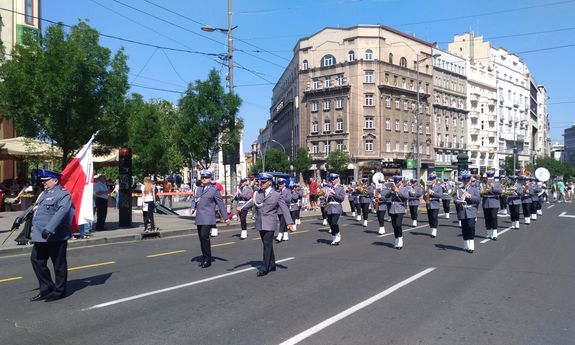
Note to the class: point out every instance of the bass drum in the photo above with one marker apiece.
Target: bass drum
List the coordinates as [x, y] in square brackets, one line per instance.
[542, 174]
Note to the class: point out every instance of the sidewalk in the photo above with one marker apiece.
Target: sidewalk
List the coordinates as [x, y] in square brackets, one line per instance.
[169, 226]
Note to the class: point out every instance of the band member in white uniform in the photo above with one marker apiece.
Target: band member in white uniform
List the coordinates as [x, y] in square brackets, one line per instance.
[468, 198]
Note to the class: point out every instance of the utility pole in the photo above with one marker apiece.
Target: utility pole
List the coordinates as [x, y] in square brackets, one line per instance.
[233, 165]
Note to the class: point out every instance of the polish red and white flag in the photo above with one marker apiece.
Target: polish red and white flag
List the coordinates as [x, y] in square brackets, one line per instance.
[78, 179]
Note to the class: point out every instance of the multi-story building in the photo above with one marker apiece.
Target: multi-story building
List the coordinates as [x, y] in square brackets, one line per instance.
[16, 18]
[569, 142]
[449, 110]
[558, 151]
[356, 91]
[543, 139]
[511, 122]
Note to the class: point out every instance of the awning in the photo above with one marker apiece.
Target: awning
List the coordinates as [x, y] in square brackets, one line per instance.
[21, 148]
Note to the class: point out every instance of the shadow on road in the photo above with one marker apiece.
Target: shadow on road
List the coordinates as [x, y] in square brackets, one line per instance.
[384, 244]
[79, 284]
[449, 247]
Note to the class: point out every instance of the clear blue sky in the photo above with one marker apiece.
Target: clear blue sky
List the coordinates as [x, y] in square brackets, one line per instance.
[268, 30]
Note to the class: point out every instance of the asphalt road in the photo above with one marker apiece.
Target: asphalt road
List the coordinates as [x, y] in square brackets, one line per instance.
[517, 290]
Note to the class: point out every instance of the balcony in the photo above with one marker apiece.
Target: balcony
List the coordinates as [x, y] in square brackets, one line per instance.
[492, 118]
[473, 114]
[474, 131]
[474, 97]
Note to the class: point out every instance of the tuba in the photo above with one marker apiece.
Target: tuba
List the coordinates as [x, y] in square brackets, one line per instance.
[486, 189]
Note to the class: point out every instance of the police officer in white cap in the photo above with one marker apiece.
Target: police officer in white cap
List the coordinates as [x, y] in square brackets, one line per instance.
[435, 191]
[285, 194]
[335, 195]
[490, 203]
[397, 197]
[205, 201]
[468, 199]
[269, 204]
[415, 192]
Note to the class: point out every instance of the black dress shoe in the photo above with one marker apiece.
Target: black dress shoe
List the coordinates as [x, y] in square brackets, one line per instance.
[261, 273]
[54, 297]
[273, 269]
[39, 296]
[205, 264]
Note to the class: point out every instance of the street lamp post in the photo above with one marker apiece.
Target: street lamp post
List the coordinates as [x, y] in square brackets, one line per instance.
[280, 144]
[515, 145]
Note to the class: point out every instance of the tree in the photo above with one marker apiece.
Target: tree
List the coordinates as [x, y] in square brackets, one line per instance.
[63, 87]
[337, 161]
[508, 165]
[302, 162]
[275, 160]
[208, 120]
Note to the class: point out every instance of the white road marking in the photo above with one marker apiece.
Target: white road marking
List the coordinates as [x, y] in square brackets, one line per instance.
[548, 207]
[498, 234]
[417, 227]
[565, 215]
[155, 292]
[324, 324]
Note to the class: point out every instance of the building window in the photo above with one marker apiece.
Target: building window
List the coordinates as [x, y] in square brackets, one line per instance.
[327, 60]
[369, 123]
[390, 60]
[314, 127]
[387, 146]
[388, 102]
[405, 126]
[314, 148]
[368, 99]
[397, 104]
[397, 125]
[368, 145]
[339, 125]
[327, 82]
[350, 56]
[397, 146]
[29, 12]
[427, 129]
[339, 146]
[327, 104]
[305, 65]
[403, 83]
[326, 126]
[413, 127]
[405, 147]
[369, 54]
[368, 79]
[388, 124]
[403, 62]
[405, 106]
[326, 147]
[339, 80]
[315, 84]
[339, 103]
[314, 106]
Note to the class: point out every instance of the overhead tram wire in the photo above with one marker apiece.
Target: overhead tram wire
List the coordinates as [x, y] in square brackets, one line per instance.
[193, 32]
[173, 68]
[203, 24]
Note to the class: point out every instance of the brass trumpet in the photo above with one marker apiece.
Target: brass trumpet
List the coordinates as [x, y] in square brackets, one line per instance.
[509, 191]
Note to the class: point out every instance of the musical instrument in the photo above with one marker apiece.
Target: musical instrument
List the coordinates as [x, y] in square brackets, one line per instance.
[377, 177]
[462, 194]
[509, 191]
[486, 189]
[376, 200]
[542, 174]
[526, 189]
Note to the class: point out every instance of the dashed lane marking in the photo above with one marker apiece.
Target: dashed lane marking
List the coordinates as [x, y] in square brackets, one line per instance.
[548, 207]
[92, 265]
[499, 234]
[324, 324]
[222, 244]
[172, 288]
[166, 253]
[10, 279]
[417, 227]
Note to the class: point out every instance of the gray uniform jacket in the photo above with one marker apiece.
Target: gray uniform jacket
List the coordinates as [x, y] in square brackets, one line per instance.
[334, 201]
[468, 208]
[285, 194]
[245, 195]
[491, 199]
[397, 200]
[207, 199]
[435, 198]
[267, 209]
[414, 197]
[54, 212]
[534, 191]
[383, 198]
[368, 196]
[525, 197]
[294, 200]
[354, 195]
[515, 199]
[445, 186]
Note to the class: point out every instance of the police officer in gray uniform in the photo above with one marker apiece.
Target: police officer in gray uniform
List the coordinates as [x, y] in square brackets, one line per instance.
[415, 192]
[269, 204]
[534, 191]
[366, 198]
[243, 195]
[468, 199]
[294, 204]
[50, 234]
[285, 193]
[514, 201]
[397, 196]
[435, 191]
[525, 192]
[207, 199]
[382, 205]
[335, 195]
[490, 203]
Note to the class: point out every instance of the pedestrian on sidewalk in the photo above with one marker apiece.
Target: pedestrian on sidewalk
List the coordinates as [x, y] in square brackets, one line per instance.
[148, 205]
[50, 235]
[205, 201]
[101, 201]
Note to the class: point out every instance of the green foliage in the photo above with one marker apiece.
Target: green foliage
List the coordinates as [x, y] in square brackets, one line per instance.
[337, 161]
[207, 120]
[508, 165]
[64, 87]
[275, 160]
[302, 161]
[555, 167]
